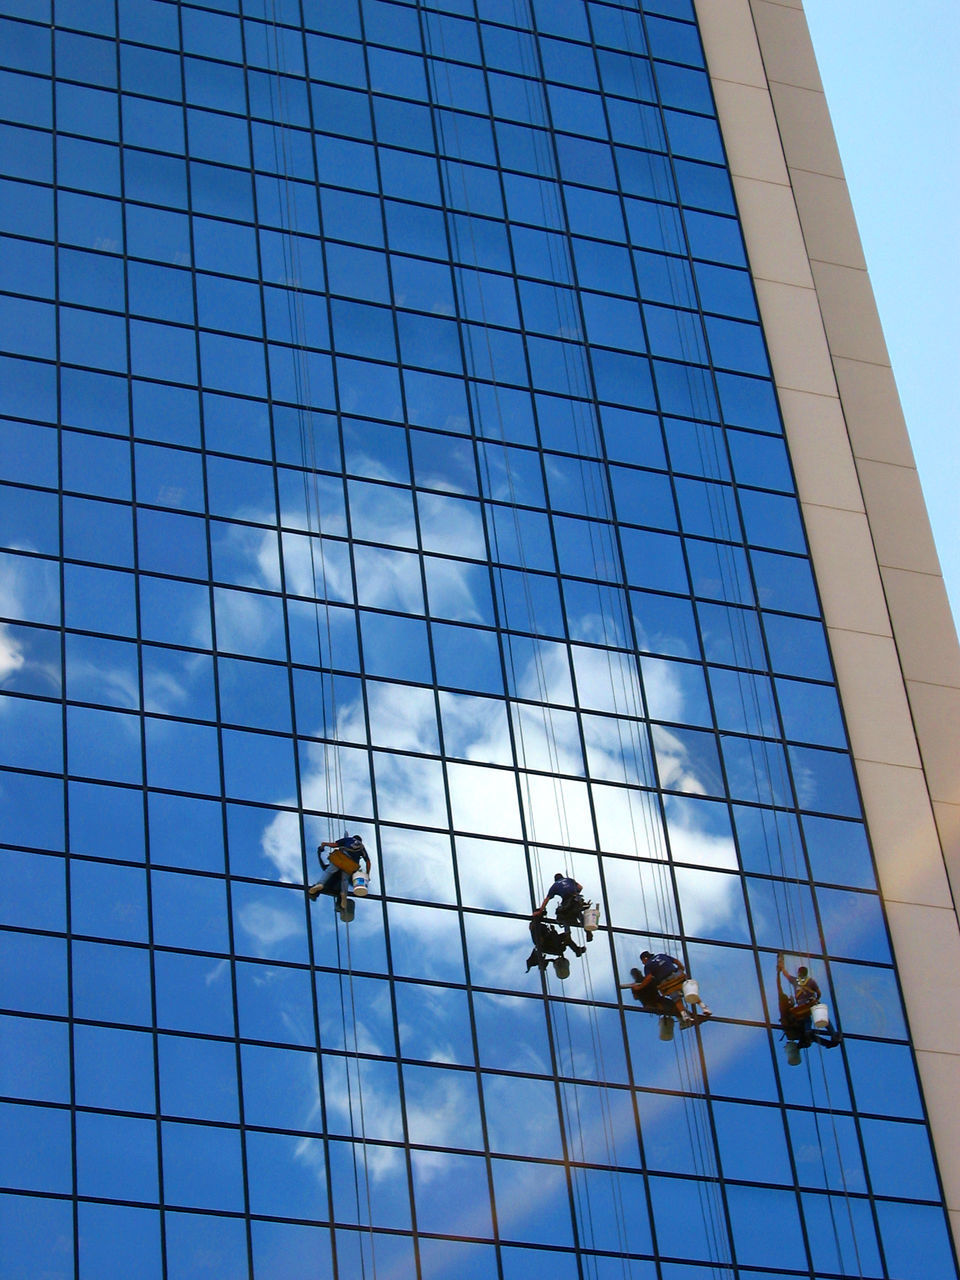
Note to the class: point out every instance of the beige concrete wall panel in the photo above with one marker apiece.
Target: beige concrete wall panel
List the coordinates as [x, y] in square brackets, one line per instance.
[750, 132]
[730, 42]
[904, 835]
[820, 450]
[826, 215]
[846, 570]
[898, 517]
[794, 332]
[774, 242]
[871, 405]
[787, 48]
[947, 817]
[920, 613]
[926, 941]
[939, 1073]
[874, 699]
[805, 128]
[936, 713]
[849, 313]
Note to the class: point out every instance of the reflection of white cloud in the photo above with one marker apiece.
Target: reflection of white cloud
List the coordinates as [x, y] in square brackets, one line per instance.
[216, 973]
[381, 513]
[484, 800]
[268, 925]
[497, 947]
[11, 654]
[673, 760]
[710, 900]
[280, 843]
[557, 810]
[448, 584]
[402, 717]
[688, 843]
[307, 557]
[607, 680]
[436, 1120]
[547, 738]
[475, 728]
[388, 579]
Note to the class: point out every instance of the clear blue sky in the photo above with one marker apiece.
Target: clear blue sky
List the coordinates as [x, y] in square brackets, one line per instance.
[892, 78]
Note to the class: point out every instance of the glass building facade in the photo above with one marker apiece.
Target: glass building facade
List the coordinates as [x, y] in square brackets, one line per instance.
[389, 446]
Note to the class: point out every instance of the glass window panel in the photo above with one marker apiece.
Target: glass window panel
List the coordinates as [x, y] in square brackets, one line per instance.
[193, 994]
[675, 691]
[195, 1242]
[654, 560]
[394, 647]
[838, 852]
[797, 646]
[687, 760]
[824, 781]
[700, 832]
[731, 635]
[35, 1148]
[884, 1078]
[33, 890]
[116, 1156]
[181, 756]
[408, 789]
[202, 1166]
[37, 1234]
[853, 925]
[114, 1068]
[756, 770]
[743, 702]
[434, 1024]
[269, 922]
[811, 713]
[782, 910]
[760, 460]
[441, 958]
[704, 1238]
[109, 901]
[31, 457]
[34, 1059]
[281, 1087]
[198, 1078]
[103, 744]
[106, 822]
[780, 1234]
[916, 1241]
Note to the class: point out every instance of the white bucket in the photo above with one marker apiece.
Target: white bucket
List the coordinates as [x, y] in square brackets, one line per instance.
[360, 884]
[691, 991]
[793, 1053]
[820, 1016]
[591, 917]
[666, 1027]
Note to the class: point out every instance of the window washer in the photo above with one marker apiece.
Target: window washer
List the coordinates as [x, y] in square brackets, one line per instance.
[345, 857]
[806, 992]
[796, 1013]
[571, 906]
[660, 988]
[547, 943]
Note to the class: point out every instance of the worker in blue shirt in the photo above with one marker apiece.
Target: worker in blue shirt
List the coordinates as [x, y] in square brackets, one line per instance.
[571, 904]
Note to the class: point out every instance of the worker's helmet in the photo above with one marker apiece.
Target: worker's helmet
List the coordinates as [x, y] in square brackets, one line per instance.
[644, 955]
[558, 876]
[802, 971]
